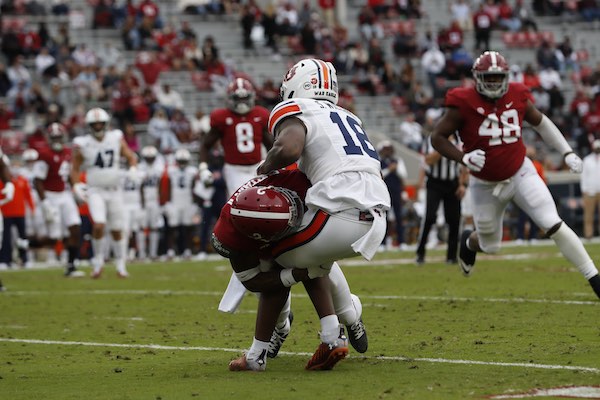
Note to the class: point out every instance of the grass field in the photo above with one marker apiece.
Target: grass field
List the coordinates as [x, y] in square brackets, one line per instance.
[525, 320]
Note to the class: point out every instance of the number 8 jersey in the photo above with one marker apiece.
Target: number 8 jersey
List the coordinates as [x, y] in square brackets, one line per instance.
[101, 158]
[494, 127]
[336, 146]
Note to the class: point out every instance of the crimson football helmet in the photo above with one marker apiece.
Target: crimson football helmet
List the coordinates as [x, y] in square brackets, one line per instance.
[491, 71]
[57, 136]
[241, 96]
[267, 213]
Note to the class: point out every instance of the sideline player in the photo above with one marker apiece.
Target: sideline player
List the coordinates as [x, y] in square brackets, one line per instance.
[489, 119]
[99, 153]
[60, 211]
[152, 168]
[7, 193]
[347, 202]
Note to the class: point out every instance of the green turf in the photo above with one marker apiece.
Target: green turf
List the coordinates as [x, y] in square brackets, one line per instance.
[510, 311]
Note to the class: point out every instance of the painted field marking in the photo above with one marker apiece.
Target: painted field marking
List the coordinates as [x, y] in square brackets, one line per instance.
[374, 297]
[230, 350]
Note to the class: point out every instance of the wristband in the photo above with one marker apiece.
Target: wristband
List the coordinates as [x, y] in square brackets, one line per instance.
[287, 277]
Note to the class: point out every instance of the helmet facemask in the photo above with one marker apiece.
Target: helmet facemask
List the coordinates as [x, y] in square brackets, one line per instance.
[492, 84]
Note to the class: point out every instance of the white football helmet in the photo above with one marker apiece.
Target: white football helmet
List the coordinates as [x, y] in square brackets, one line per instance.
[149, 153]
[310, 78]
[96, 116]
[182, 157]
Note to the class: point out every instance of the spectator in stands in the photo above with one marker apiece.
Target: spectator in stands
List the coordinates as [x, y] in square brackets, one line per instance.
[169, 99]
[45, 64]
[109, 55]
[461, 12]
[132, 38]
[549, 77]
[524, 13]
[6, 116]
[247, 21]
[60, 7]
[546, 55]
[210, 51]
[390, 79]
[507, 18]
[84, 56]
[150, 11]
[493, 9]
[5, 82]
[181, 126]
[18, 98]
[482, 23]
[530, 77]
[580, 107]
[18, 73]
[590, 189]
[368, 23]
[409, 133]
[287, 18]
[37, 100]
[566, 57]
[200, 124]
[268, 94]
[557, 102]
[150, 66]
[131, 137]
[459, 63]
[515, 74]
[160, 131]
[433, 62]
[10, 43]
[30, 42]
[590, 10]
[405, 44]
[269, 24]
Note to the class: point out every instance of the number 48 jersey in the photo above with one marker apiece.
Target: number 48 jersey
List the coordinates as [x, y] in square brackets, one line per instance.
[494, 127]
[101, 158]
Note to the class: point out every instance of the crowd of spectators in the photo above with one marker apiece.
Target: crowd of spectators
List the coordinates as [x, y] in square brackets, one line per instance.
[46, 73]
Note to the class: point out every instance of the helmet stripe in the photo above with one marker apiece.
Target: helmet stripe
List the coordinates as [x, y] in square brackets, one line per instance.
[259, 214]
[325, 74]
[318, 73]
[494, 61]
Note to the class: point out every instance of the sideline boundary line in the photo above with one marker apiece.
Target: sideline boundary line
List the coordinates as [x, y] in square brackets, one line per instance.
[230, 350]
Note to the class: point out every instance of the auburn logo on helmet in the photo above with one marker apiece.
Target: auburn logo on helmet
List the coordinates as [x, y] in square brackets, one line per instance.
[290, 74]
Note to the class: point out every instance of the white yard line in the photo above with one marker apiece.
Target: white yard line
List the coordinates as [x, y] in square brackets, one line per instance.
[230, 350]
[374, 297]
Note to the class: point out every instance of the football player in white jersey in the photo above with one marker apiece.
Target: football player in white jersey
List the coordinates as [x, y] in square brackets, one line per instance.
[99, 153]
[6, 194]
[132, 203]
[153, 168]
[347, 202]
[180, 208]
[35, 223]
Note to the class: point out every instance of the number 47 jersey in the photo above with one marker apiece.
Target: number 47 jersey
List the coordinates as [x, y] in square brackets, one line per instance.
[338, 158]
[101, 158]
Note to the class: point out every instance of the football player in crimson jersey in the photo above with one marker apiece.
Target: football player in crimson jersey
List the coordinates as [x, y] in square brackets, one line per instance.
[489, 119]
[51, 172]
[248, 244]
[242, 129]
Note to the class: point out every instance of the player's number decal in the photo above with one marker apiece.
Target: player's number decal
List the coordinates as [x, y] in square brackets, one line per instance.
[356, 133]
[105, 159]
[504, 130]
[244, 134]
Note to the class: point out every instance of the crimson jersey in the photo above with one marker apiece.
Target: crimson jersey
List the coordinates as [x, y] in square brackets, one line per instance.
[224, 230]
[53, 168]
[494, 127]
[241, 135]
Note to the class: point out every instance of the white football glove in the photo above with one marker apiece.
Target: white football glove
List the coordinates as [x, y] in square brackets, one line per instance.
[475, 160]
[80, 191]
[318, 271]
[50, 212]
[8, 192]
[205, 175]
[574, 163]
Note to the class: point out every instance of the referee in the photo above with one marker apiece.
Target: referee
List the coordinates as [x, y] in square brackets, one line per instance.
[445, 182]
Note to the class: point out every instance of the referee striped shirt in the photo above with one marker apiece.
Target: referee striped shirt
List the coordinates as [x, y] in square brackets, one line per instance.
[444, 169]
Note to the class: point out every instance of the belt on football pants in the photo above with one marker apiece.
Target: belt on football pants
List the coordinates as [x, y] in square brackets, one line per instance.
[356, 214]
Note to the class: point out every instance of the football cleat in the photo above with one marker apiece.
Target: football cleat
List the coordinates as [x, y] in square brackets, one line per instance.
[244, 364]
[329, 354]
[278, 337]
[123, 274]
[595, 283]
[466, 256]
[96, 274]
[72, 272]
[357, 335]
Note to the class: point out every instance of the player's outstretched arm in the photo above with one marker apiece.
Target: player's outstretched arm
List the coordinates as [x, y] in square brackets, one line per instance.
[552, 136]
[290, 136]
